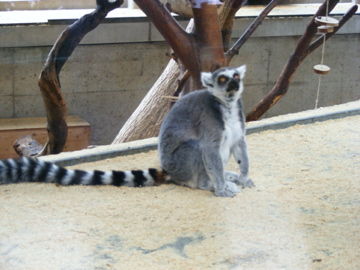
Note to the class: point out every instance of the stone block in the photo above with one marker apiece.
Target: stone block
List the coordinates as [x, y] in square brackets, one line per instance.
[111, 68]
[155, 34]
[6, 106]
[28, 65]
[6, 71]
[113, 109]
[255, 55]
[78, 104]
[350, 91]
[29, 105]
[252, 95]
[29, 35]
[118, 32]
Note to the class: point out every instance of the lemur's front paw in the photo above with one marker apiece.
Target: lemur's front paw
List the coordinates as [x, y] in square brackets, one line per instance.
[230, 189]
[246, 182]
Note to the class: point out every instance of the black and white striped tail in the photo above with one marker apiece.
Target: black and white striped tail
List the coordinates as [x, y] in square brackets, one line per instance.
[32, 170]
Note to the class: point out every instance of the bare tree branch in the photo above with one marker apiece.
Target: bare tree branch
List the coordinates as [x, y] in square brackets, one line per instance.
[49, 82]
[250, 30]
[301, 51]
[181, 42]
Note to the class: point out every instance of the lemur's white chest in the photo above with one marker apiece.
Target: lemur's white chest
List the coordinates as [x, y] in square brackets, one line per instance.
[232, 131]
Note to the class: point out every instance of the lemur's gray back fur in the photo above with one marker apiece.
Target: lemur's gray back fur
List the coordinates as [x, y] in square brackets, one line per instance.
[196, 139]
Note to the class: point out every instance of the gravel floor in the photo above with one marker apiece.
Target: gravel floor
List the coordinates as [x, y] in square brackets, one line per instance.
[304, 213]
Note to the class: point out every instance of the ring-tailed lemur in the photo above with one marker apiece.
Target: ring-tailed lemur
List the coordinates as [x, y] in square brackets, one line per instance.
[196, 139]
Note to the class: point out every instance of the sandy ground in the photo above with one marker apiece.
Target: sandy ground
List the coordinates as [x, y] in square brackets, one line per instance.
[304, 213]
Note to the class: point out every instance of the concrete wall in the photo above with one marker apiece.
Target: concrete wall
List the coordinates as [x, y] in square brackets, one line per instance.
[105, 78]
[102, 84]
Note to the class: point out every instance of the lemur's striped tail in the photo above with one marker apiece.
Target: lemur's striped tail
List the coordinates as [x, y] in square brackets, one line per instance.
[33, 170]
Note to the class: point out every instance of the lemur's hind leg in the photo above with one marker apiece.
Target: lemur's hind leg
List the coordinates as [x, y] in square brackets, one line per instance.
[184, 164]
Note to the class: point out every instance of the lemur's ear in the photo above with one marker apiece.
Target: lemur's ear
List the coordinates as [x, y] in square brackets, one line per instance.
[241, 70]
[206, 79]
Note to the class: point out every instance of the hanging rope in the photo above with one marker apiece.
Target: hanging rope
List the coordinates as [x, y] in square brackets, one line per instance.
[322, 60]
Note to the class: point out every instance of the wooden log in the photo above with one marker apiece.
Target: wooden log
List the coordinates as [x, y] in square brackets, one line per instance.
[325, 29]
[326, 20]
[145, 121]
[321, 69]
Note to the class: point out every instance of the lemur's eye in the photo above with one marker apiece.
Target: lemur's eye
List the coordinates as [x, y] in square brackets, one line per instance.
[222, 79]
[236, 76]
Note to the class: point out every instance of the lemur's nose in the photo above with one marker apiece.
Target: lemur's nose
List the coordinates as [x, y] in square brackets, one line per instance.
[233, 86]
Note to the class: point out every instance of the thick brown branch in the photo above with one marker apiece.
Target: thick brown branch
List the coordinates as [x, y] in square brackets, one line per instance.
[181, 42]
[208, 35]
[225, 22]
[209, 40]
[49, 78]
[250, 30]
[301, 51]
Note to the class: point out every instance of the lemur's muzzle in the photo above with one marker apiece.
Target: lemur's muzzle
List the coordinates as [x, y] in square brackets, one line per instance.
[233, 86]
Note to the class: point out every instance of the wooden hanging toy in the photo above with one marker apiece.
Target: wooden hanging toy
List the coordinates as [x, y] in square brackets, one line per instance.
[326, 20]
[326, 25]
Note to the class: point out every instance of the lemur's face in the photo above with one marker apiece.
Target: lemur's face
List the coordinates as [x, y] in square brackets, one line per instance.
[225, 83]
